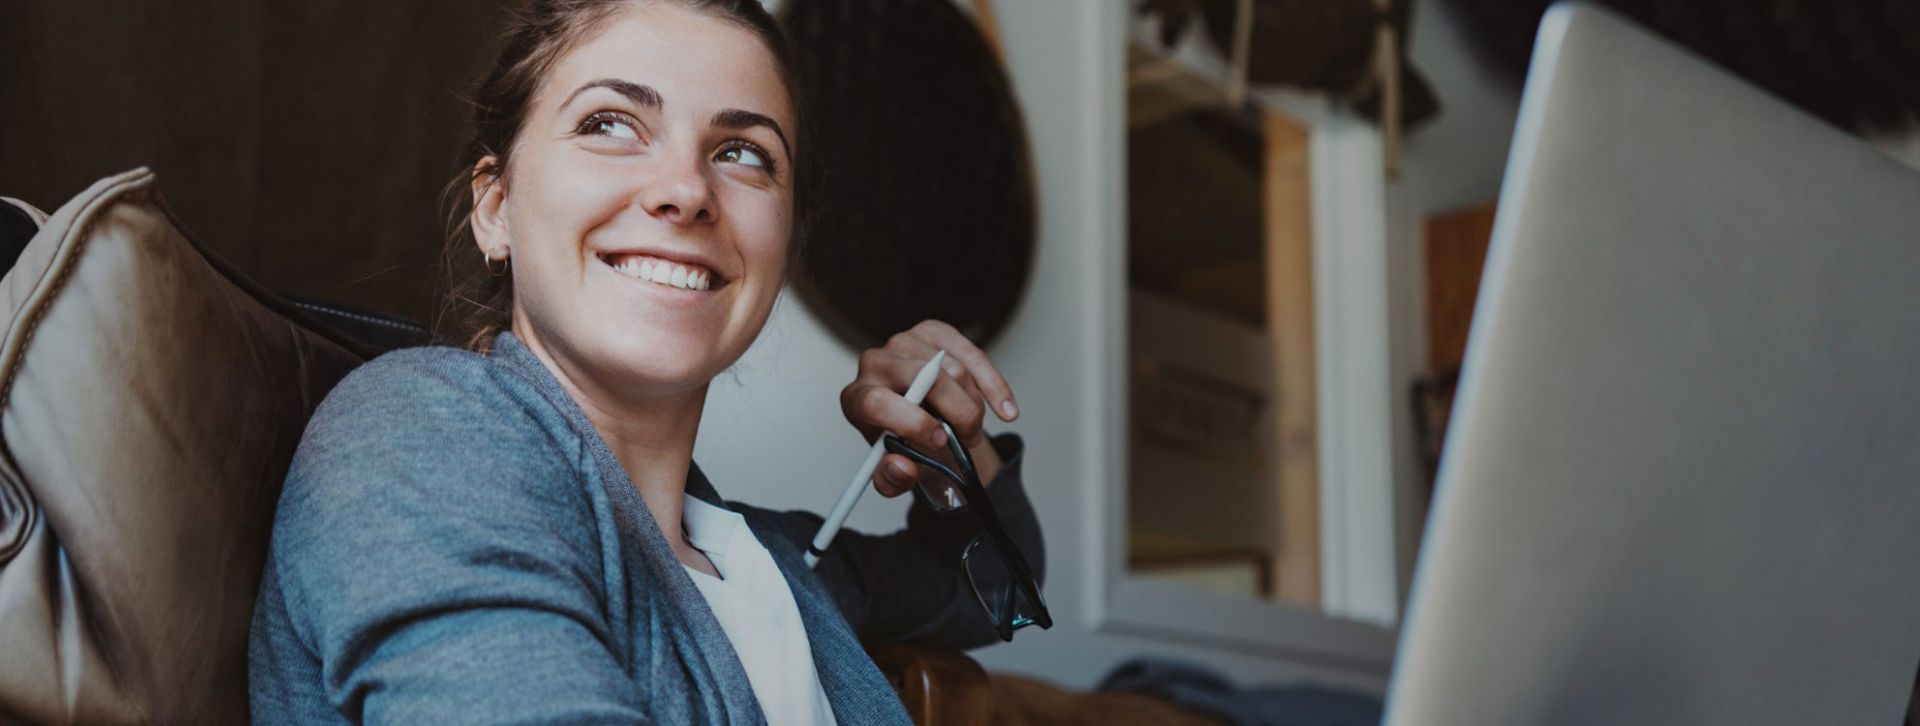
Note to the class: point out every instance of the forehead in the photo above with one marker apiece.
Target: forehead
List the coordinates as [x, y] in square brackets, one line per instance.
[699, 63]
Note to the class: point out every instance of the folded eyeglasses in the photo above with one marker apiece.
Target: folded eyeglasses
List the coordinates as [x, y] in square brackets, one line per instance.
[1002, 581]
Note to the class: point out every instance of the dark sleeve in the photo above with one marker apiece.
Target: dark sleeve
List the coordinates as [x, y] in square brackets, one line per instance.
[437, 557]
[908, 586]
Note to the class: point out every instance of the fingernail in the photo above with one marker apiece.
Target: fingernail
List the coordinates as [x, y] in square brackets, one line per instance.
[900, 473]
[939, 437]
[1009, 410]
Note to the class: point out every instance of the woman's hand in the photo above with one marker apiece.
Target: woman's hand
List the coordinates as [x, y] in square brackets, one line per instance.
[875, 402]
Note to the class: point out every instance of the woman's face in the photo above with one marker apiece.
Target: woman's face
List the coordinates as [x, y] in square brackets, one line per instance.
[647, 203]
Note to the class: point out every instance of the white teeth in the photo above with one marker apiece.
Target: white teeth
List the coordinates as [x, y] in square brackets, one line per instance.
[664, 272]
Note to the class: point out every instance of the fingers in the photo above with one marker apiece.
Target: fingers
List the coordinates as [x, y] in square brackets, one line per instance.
[969, 386]
[987, 378]
[957, 399]
[876, 407]
[896, 476]
[954, 393]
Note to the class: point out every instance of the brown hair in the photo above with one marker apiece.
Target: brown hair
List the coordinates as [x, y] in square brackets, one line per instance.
[478, 304]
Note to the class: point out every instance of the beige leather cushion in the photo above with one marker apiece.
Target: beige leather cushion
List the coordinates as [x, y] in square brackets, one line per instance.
[150, 400]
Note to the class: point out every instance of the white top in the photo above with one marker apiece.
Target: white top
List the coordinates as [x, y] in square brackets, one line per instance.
[758, 613]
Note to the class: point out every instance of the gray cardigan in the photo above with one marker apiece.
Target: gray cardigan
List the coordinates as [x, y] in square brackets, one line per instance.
[456, 544]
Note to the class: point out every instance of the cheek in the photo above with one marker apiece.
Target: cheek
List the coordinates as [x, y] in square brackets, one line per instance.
[559, 200]
[764, 230]
[553, 205]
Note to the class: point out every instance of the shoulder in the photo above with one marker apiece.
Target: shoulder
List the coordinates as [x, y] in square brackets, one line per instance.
[420, 433]
[432, 460]
[435, 405]
[412, 383]
[432, 480]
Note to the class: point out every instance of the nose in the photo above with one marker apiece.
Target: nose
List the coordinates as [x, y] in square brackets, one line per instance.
[678, 191]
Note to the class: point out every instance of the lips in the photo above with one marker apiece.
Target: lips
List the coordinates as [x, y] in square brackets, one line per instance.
[660, 271]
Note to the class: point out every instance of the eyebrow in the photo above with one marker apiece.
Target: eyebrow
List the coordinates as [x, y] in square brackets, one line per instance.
[645, 95]
[638, 93]
[734, 118]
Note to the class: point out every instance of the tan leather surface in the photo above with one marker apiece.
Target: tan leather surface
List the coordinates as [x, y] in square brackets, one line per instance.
[938, 687]
[150, 401]
[1021, 701]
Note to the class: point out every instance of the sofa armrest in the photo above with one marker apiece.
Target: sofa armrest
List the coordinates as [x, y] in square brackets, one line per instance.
[939, 687]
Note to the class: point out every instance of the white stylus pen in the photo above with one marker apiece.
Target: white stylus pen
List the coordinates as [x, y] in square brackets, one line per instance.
[917, 392]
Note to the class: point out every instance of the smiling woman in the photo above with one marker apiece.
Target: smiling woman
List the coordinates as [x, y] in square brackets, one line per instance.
[622, 157]
[515, 530]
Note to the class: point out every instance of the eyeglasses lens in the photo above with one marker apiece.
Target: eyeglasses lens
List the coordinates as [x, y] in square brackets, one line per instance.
[942, 493]
[993, 583]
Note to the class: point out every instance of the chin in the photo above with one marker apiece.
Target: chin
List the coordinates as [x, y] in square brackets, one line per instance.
[658, 359]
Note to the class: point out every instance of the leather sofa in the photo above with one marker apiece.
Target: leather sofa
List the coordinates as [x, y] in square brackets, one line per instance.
[151, 398]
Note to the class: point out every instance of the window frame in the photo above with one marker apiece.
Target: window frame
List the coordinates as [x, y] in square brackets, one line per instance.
[1356, 626]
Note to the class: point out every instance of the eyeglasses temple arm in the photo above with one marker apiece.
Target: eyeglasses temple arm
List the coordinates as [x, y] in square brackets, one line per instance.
[895, 445]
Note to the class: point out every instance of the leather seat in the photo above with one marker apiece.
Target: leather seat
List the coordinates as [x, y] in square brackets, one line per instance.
[150, 401]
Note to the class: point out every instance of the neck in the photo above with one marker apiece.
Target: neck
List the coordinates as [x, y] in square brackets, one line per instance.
[651, 435]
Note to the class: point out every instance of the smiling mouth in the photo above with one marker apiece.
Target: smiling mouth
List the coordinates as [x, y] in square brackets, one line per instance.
[664, 272]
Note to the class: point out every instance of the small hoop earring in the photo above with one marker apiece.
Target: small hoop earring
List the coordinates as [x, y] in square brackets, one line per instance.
[504, 265]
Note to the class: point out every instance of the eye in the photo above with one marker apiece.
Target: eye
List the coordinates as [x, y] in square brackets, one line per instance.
[610, 124]
[744, 154]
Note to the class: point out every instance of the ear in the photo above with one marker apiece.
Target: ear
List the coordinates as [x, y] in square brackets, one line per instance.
[487, 218]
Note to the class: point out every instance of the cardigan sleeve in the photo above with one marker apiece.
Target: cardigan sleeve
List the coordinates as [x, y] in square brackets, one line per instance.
[908, 586]
[431, 558]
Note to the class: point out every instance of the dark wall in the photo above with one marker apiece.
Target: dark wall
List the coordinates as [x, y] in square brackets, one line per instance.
[305, 142]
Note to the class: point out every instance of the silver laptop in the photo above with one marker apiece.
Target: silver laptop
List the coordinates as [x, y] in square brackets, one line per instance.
[1682, 481]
